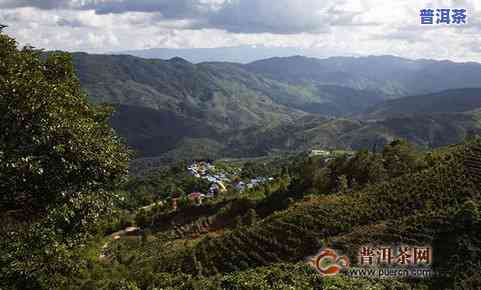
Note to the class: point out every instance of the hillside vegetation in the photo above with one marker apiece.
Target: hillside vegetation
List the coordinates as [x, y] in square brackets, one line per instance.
[450, 101]
[74, 218]
[397, 196]
[173, 109]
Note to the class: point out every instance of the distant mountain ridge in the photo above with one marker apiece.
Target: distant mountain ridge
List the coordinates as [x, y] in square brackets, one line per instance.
[206, 92]
[389, 75]
[449, 101]
[176, 108]
[238, 54]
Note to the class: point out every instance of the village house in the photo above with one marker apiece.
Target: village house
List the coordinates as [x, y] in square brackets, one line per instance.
[196, 198]
[316, 152]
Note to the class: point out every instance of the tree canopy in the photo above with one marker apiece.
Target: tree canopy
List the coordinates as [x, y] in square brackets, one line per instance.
[59, 161]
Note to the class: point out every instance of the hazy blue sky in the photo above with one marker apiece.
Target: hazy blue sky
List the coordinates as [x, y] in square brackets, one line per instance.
[333, 27]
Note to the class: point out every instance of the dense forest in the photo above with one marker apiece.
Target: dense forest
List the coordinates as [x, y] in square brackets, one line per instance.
[74, 218]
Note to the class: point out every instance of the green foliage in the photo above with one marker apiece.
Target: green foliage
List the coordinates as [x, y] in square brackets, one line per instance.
[59, 159]
[251, 216]
[295, 233]
[61, 167]
[279, 276]
[52, 140]
[450, 101]
[469, 213]
[161, 184]
[437, 205]
[254, 169]
[342, 184]
[343, 173]
[177, 110]
[400, 158]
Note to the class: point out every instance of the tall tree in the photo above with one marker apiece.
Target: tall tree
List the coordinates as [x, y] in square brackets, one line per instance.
[400, 157]
[59, 161]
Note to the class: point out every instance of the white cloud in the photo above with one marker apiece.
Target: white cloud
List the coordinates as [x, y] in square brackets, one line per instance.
[347, 27]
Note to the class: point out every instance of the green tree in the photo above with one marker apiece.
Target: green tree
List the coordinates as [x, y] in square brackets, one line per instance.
[146, 233]
[59, 161]
[238, 221]
[400, 157]
[142, 218]
[249, 170]
[252, 216]
[342, 184]
[468, 214]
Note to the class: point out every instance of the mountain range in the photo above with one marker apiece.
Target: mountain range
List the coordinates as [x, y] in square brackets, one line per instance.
[177, 109]
[239, 54]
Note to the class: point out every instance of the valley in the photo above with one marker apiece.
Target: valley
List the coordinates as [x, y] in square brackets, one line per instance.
[126, 173]
[171, 109]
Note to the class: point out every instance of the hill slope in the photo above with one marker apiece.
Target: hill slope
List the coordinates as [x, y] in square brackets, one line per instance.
[449, 101]
[437, 205]
[176, 109]
[425, 130]
[154, 132]
[389, 75]
[225, 101]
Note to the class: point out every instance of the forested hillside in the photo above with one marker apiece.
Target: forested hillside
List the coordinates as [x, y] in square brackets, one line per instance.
[75, 216]
[260, 239]
[224, 96]
[389, 75]
[450, 101]
[175, 109]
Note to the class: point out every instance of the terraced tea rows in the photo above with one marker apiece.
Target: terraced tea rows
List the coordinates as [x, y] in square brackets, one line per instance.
[293, 234]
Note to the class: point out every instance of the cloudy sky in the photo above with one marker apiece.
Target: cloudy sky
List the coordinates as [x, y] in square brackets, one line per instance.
[332, 27]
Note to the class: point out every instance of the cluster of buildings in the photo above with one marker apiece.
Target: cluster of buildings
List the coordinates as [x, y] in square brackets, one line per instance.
[200, 169]
[322, 153]
[329, 155]
[207, 171]
[219, 180]
[241, 185]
